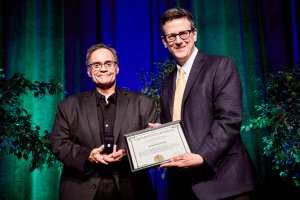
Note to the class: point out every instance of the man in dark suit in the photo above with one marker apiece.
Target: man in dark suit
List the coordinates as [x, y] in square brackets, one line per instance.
[87, 135]
[211, 111]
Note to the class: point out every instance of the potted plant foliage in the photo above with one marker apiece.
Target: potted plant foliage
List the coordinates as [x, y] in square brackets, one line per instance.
[18, 134]
[279, 116]
[151, 81]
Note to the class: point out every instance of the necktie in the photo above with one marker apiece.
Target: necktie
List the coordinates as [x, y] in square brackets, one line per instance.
[178, 95]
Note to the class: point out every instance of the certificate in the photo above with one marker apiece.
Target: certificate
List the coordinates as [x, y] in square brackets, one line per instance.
[153, 146]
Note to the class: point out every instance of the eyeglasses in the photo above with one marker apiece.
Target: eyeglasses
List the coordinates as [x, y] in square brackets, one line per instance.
[98, 65]
[183, 35]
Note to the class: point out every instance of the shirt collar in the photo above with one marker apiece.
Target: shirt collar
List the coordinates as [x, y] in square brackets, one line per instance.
[112, 98]
[188, 64]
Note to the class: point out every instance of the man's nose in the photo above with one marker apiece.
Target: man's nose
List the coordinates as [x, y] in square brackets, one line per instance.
[178, 39]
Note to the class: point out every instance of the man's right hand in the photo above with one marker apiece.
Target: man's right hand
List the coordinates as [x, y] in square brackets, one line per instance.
[96, 156]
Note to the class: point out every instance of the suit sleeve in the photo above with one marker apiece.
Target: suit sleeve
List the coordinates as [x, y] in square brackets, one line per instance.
[151, 113]
[227, 113]
[63, 143]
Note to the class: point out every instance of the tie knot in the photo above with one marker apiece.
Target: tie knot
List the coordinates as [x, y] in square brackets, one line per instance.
[181, 74]
[181, 71]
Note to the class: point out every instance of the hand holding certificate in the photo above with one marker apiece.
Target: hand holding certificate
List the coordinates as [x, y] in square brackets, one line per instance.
[153, 146]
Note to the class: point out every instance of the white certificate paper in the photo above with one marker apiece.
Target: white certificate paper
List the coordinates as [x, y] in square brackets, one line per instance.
[153, 146]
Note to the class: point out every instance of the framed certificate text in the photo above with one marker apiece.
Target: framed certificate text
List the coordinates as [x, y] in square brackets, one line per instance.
[153, 146]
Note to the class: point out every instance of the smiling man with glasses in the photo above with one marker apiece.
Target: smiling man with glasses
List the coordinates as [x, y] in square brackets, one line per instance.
[98, 65]
[184, 35]
[87, 135]
[211, 112]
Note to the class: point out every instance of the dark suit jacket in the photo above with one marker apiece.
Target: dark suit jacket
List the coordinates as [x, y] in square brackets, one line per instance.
[76, 132]
[212, 115]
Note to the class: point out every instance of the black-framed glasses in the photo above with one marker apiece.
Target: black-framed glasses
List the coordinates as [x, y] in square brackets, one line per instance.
[98, 65]
[182, 34]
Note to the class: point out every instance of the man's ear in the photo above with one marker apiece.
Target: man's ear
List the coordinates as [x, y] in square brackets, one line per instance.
[195, 35]
[88, 72]
[164, 42]
[118, 69]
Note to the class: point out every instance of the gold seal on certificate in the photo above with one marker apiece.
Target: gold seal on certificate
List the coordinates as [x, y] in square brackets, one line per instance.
[159, 158]
[153, 146]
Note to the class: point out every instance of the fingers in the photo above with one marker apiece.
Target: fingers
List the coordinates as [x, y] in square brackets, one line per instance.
[115, 148]
[115, 156]
[168, 164]
[101, 159]
[93, 157]
[101, 148]
[153, 125]
[188, 160]
[118, 155]
[173, 164]
[96, 155]
[98, 150]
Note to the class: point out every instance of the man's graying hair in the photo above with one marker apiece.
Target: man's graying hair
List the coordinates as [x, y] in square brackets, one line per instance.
[176, 13]
[100, 46]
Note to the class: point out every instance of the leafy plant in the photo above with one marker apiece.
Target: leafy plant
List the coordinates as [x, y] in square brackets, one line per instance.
[18, 135]
[151, 81]
[279, 115]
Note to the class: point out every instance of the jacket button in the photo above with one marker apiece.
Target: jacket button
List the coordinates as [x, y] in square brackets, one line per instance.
[94, 186]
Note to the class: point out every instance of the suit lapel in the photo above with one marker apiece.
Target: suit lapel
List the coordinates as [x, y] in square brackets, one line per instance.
[195, 70]
[171, 92]
[90, 104]
[122, 103]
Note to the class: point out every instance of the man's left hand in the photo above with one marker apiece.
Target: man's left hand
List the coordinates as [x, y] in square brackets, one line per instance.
[188, 160]
[115, 156]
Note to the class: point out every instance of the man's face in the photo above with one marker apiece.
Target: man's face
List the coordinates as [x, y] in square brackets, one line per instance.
[180, 48]
[103, 68]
